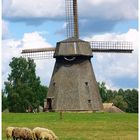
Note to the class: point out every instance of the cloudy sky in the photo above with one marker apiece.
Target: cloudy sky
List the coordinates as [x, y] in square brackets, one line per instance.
[41, 23]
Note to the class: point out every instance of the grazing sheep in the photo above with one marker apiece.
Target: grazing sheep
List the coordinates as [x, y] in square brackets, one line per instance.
[45, 136]
[53, 135]
[9, 132]
[16, 133]
[22, 133]
[26, 134]
[37, 131]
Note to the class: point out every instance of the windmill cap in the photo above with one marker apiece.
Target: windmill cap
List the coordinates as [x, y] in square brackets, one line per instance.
[73, 47]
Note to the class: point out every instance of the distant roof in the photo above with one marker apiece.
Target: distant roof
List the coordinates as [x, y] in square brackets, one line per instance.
[110, 107]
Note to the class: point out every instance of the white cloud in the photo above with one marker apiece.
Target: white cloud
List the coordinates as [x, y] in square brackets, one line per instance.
[39, 9]
[116, 66]
[34, 40]
[54, 9]
[9, 49]
[45, 69]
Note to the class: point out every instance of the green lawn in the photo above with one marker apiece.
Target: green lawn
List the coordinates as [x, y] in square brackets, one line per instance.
[78, 126]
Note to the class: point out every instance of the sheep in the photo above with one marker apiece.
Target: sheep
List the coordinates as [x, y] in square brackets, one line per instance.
[9, 132]
[45, 136]
[37, 131]
[16, 133]
[22, 133]
[53, 135]
[26, 134]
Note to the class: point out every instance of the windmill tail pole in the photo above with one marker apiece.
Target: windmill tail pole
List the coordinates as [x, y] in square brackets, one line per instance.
[75, 15]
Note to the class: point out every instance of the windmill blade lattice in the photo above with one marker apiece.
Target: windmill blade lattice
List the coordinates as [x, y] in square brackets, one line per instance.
[71, 18]
[111, 46]
[96, 46]
[42, 53]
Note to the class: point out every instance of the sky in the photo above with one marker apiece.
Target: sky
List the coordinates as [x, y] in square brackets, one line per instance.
[37, 24]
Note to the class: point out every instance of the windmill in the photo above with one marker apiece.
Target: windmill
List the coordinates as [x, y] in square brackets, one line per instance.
[73, 85]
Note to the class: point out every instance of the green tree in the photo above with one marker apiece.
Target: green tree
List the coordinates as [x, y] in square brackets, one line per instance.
[4, 101]
[120, 102]
[121, 92]
[131, 97]
[110, 95]
[42, 96]
[127, 100]
[103, 91]
[23, 88]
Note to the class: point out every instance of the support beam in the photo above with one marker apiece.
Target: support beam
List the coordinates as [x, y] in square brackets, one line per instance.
[38, 50]
[111, 50]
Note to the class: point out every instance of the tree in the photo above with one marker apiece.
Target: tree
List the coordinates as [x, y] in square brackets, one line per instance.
[131, 97]
[127, 100]
[110, 95]
[23, 88]
[4, 101]
[42, 96]
[120, 102]
[103, 91]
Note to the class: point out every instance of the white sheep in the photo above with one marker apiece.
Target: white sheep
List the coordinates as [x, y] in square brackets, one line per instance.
[45, 136]
[9, 132]
[22, 133]
[37, 131]
[53, 135]
[26, 134]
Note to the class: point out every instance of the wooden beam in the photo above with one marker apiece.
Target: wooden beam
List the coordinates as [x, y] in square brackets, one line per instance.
[112, 50]
[38, 50]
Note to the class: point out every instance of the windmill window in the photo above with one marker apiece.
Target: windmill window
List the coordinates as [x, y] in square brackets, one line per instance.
[86, 83]
[54, 83]
[89, 101]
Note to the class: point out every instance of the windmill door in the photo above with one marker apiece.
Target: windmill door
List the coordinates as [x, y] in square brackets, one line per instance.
[49, 104]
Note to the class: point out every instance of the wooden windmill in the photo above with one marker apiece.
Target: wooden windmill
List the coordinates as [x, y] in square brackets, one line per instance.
[73, 85]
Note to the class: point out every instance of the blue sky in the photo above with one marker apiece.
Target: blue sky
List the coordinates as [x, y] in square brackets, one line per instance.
[50, 28]
[124, 26]
[34, 23]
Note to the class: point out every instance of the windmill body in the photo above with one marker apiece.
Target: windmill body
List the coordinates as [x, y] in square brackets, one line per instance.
[73, 85]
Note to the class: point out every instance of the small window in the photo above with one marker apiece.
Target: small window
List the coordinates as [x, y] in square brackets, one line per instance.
[54, 83]
[89, 101]
[86, 83]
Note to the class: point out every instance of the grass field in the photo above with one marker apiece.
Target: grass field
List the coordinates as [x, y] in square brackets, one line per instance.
[78, 126]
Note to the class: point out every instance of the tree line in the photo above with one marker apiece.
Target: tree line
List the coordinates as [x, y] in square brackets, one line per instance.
[23, 90]
[126, 100]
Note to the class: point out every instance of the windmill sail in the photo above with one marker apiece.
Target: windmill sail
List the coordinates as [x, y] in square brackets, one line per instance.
[111, 46]
[73, 33]
[96, 46]
[40, 53]
[71, 18]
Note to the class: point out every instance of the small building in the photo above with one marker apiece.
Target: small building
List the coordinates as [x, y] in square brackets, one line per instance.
[111, 108]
